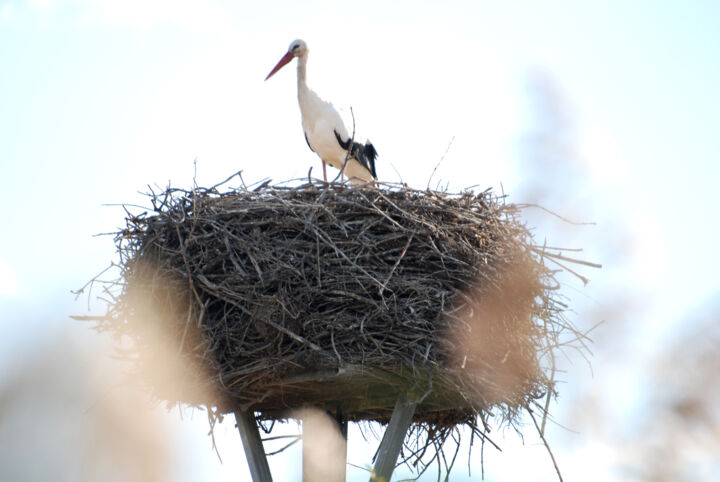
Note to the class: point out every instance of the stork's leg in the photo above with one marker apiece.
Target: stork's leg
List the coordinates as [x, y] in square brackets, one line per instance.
[324, 171]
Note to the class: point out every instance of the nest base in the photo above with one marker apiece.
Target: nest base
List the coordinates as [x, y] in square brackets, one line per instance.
[364, 394]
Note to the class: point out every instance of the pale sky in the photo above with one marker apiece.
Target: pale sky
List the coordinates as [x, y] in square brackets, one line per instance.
[99, 99]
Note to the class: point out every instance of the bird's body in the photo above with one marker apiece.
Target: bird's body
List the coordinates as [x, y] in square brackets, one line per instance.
[325, 132]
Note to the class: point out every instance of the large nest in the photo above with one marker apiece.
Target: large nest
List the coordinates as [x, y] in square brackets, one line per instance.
[340, 297]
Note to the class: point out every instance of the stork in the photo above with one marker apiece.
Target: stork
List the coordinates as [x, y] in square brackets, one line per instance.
[325, 132]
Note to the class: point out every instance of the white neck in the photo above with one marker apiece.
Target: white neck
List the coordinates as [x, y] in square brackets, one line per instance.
[302, 73]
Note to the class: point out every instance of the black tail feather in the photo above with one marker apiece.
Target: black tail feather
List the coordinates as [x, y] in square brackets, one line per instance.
[365, 154]
[370, 156]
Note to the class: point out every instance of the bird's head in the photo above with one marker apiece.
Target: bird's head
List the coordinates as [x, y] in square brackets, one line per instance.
[297, 48]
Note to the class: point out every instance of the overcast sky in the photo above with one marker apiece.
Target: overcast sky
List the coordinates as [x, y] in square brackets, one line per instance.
[99, 99]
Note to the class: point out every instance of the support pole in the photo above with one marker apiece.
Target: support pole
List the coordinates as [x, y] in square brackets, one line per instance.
[392, 440]
[342, 421]
[252, 443]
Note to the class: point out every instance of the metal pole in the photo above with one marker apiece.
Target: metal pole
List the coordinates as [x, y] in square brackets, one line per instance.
[343, 423]
[252, 443]
[392, 440]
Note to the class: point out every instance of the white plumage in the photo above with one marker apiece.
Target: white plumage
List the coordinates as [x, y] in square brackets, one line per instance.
[325, 132]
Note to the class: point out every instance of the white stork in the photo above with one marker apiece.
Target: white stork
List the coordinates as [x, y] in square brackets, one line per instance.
[325, 131]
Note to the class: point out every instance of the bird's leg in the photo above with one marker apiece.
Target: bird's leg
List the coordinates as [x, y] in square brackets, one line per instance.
[324, 170]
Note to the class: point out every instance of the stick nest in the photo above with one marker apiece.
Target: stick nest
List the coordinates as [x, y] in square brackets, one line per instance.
[338, 297]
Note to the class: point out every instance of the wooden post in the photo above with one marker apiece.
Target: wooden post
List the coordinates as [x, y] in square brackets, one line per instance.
[252, 443]
[392, 440]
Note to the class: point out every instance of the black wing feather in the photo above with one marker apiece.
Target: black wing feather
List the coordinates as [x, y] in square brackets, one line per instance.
[365, 154]
[344, 144]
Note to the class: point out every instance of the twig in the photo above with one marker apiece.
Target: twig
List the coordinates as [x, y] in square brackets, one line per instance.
[442, 158]
[285, 447]
[530, 205]
[215, 186]
[402, 255]
[547, 446]
[347, 154]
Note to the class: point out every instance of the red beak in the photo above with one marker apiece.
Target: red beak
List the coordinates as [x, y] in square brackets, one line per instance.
[283, 61]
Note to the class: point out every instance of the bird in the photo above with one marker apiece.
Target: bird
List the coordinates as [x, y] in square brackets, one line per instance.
[325, 131]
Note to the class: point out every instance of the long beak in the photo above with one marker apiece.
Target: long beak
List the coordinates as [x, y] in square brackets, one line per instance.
[283, 62]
